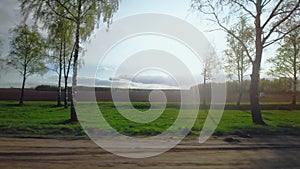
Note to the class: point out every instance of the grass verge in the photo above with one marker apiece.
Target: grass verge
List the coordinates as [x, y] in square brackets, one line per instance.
[44, 120]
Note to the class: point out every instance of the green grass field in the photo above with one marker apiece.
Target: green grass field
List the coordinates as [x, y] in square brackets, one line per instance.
[43, 119]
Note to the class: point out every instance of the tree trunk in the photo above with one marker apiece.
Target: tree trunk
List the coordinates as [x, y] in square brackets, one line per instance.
[294, 101]
[59, 91]
[240, 88]
[204, 91]
[74, 80]
[238, 103]
[240, 78]
[59, 78]
[66, 93]
[66, 73]
[254, 99]
[254, 96]
[75, 66]
[254, 93]
[295, 70]
[21, 101]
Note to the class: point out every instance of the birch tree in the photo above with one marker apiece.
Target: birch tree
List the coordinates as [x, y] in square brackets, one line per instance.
[237, 63]
[266, 16]
[286, 64]
[26, 54]
[86, 16]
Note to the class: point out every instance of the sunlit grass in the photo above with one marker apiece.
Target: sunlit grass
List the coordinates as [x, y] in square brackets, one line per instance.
[43, 119]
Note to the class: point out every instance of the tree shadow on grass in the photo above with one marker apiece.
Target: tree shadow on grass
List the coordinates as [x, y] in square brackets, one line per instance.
[68, 121]
[268, 130]
[12, 105]
[45, 105]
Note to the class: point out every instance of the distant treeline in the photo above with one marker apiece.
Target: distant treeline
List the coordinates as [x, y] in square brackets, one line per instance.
[281, 85]
[55, 88]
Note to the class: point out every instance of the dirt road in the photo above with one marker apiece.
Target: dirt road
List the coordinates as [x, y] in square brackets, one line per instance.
[269, 152]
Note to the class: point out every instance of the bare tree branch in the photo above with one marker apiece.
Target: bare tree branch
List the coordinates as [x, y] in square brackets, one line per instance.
[282, 36]
[212, 30]
[244, 8]
[280, 22]
[232, 34]
[253, 2]
[273, 13]
[265, 3]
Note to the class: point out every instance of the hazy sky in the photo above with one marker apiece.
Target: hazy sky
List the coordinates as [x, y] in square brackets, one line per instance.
[9, 16]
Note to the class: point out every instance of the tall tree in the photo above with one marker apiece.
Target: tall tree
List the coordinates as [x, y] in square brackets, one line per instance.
[1, 59]
[237, 63]
[286, 63]
[26, 53]
[67, 64]
[56, 60]
[85, 14]
[60, 38]
[210, 61]
[1, 44]
[266, 16]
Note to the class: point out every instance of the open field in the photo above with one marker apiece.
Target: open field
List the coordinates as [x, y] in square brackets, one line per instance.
[39, 135]
[137, 96]
[43, 119]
